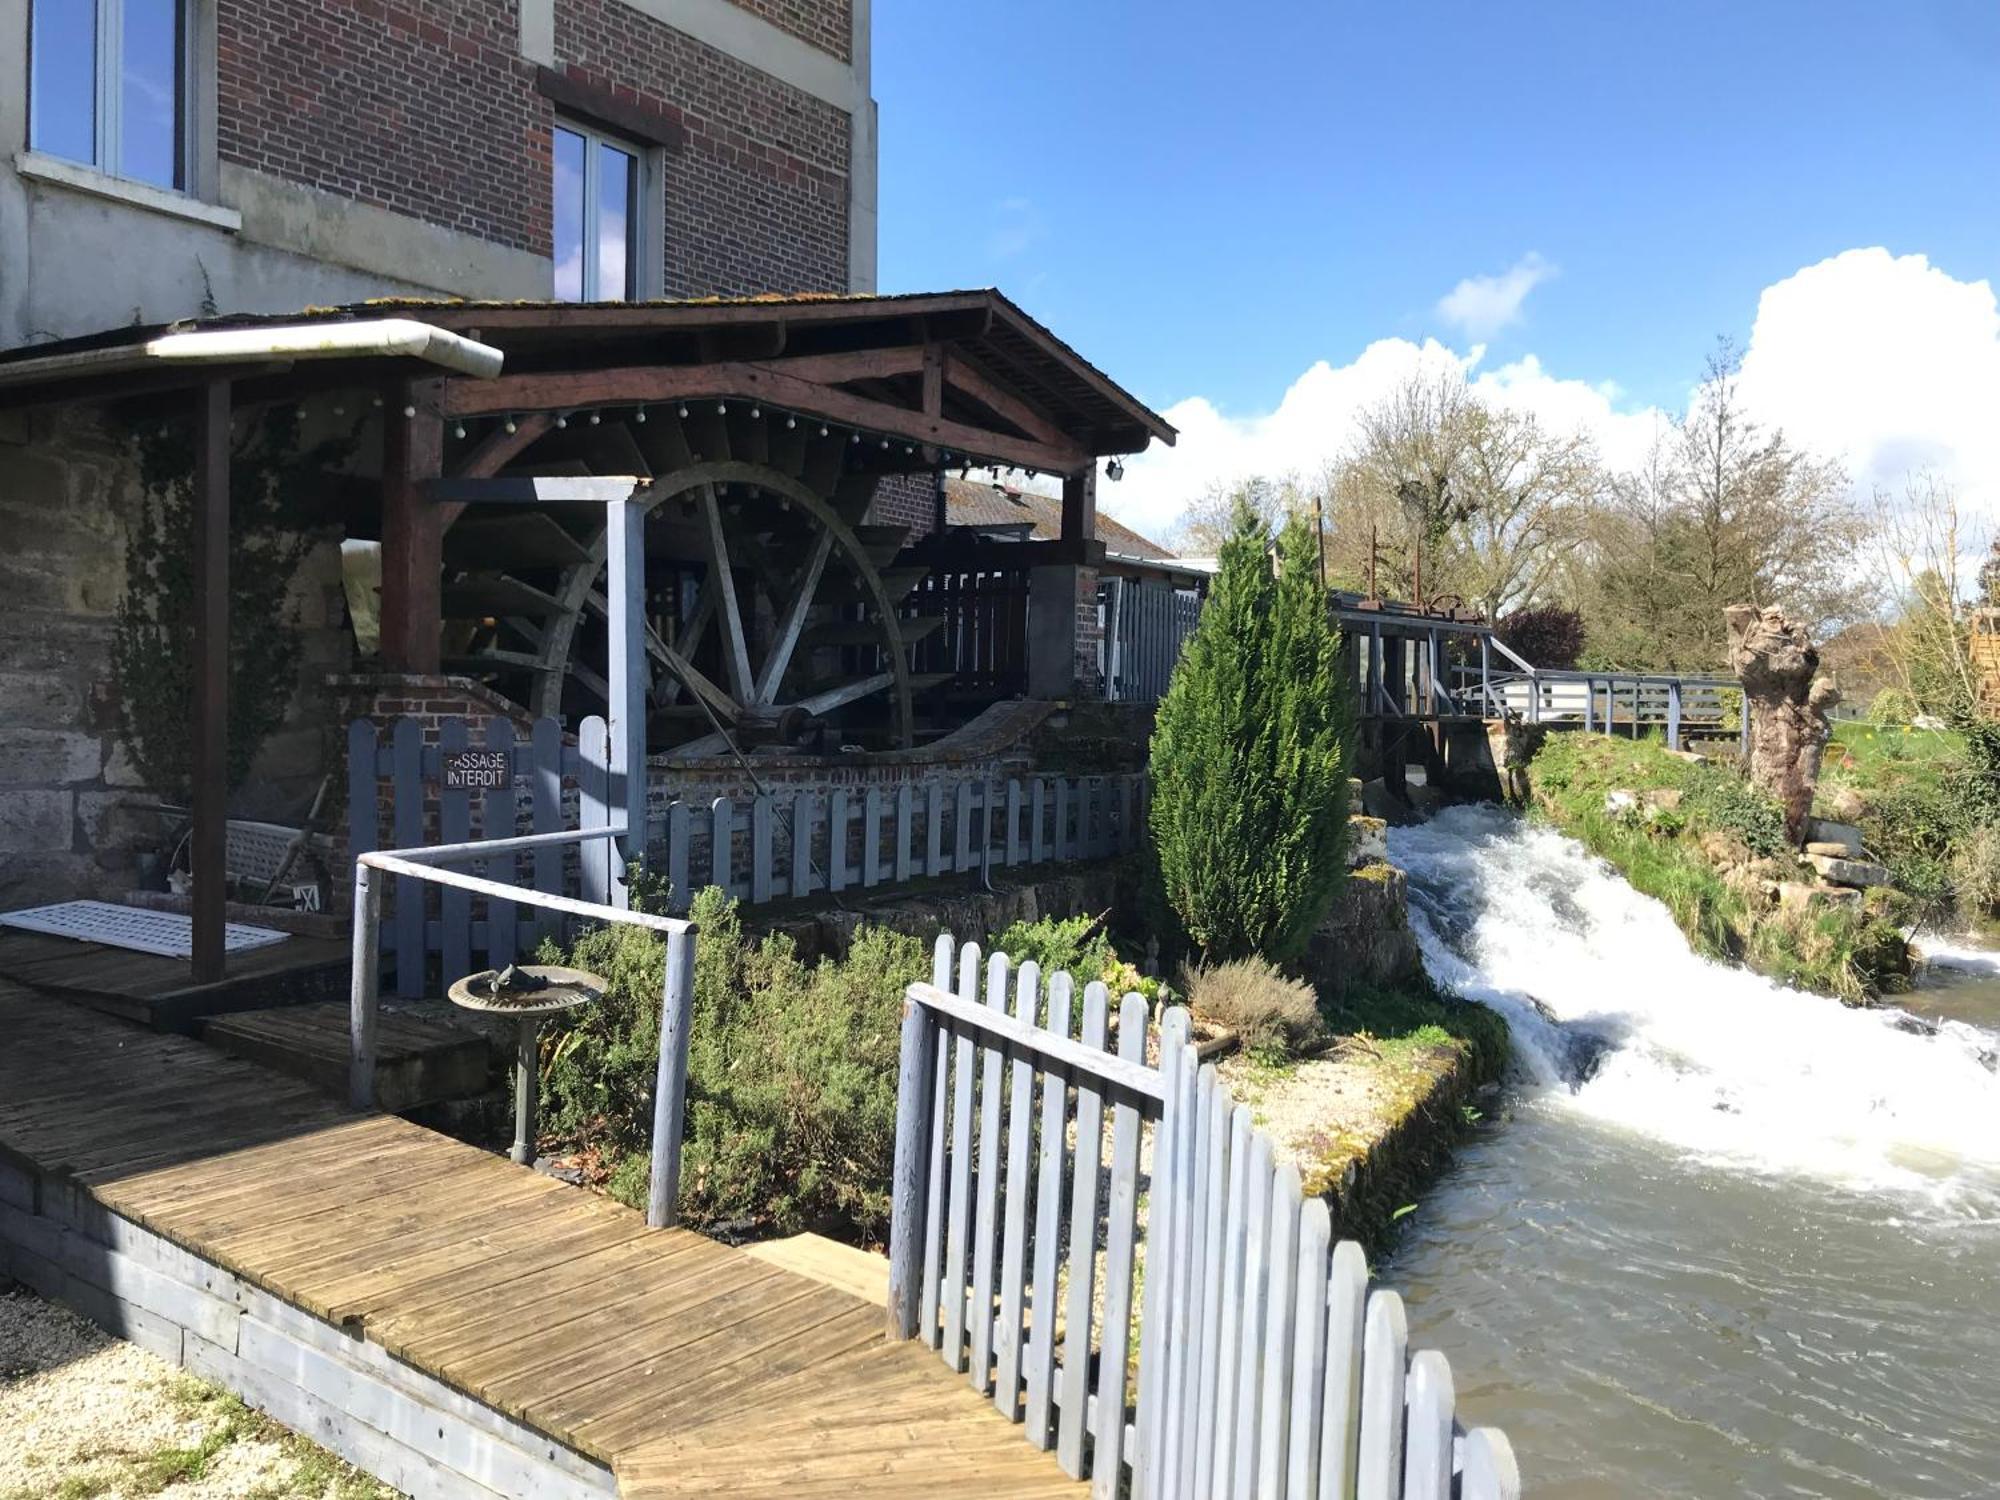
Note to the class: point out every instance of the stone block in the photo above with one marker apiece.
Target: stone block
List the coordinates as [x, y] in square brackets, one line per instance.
[43, 879]
[1850, 872]
[1826, 831]
[48, 756]
[36, 821]
[1368, 840]
[49, 700]
[1796, 896]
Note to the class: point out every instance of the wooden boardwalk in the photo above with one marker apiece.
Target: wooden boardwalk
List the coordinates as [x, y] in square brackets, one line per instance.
[686, 1367]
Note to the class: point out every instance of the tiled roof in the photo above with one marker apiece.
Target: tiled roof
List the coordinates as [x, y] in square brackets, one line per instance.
[973, 503]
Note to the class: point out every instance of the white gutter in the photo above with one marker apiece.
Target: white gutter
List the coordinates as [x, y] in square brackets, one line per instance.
[403, 338]
[1192, 567]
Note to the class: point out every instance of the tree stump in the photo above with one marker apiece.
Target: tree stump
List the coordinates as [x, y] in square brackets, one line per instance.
[1787, 701]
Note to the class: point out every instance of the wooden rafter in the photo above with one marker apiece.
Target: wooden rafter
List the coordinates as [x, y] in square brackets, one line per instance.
[755, 381]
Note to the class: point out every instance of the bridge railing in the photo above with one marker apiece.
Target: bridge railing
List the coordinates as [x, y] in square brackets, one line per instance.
[1603, 701]
[1042, 1178]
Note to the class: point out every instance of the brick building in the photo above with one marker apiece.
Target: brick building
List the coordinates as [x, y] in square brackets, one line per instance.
[354, 214]
[270, 155]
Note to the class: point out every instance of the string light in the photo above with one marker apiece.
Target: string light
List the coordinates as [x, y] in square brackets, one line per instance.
[822, 430]
[562, 419]
[595, 419]
[855, 439]
[409, 411]
[722, 408]
[512, 426]
[684, 410]
[458, 429]
[639, 416]
[790, 423]
[756, 413]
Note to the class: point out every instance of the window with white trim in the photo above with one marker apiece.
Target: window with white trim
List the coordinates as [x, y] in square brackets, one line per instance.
[600, 214]
[108, 86]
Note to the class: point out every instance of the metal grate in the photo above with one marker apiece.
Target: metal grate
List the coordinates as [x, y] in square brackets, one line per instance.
[169, 934]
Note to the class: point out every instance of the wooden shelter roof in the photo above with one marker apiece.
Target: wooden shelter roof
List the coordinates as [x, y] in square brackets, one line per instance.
[1001, 370]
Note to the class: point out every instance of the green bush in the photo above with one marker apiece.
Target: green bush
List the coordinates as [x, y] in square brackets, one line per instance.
[1075, 945]
[1892, 705]
[1250, 756]
[1975, 870]
[790, 1121]
[1720, 798]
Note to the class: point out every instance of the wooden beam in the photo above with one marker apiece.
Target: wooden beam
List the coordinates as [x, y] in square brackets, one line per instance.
[1079, 511]
[496, 450]
[838, 369]
[412, 531]
[970, 380]
[210, 771]
[762, 382]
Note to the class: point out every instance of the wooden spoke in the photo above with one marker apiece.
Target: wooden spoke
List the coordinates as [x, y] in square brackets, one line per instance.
[735, 647]
[794, 622]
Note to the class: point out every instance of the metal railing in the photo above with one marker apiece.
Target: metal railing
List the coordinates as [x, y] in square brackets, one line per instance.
[677, 1001]
[1601, 701]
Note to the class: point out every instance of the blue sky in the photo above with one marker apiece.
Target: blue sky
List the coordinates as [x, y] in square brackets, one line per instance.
[1208, 199]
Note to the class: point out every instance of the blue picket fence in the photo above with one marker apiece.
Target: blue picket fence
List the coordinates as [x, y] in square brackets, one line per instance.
[788, 845]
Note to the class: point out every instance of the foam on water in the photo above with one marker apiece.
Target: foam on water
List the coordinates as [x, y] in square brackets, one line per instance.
[1613, 1015]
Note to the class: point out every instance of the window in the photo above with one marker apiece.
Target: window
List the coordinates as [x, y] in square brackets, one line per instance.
[108, 86]
[598, 209]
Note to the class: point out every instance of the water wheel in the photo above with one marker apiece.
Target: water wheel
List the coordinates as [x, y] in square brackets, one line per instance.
[773, 608]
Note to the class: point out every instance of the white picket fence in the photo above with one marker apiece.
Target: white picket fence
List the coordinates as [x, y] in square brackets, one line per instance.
[1040, 1179]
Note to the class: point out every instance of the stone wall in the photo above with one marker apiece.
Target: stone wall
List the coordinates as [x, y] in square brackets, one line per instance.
[74, 813]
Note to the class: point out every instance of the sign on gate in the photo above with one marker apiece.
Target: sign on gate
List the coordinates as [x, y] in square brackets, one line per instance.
[477, 770]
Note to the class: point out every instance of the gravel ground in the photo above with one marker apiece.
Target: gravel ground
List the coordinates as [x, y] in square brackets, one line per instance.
[85, 1416]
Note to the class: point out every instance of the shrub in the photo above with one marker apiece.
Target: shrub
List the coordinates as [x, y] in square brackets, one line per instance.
[790, 1120]
[1892, 706]
[1975, 870]
[1250, 756]
[1075, 945]
[1549, 635]
[1251, 998]
[1719, 798]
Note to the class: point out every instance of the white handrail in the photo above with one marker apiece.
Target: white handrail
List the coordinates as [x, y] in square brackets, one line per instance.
[1073, 1057]
[677, 1001]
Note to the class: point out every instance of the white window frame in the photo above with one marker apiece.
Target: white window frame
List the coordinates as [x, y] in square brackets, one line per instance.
[108, 144]
[643, 269]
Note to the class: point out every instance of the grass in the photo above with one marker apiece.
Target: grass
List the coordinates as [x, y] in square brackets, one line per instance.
[1707, 857]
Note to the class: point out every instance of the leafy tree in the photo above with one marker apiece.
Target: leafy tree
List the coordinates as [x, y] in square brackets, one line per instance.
[1549, 636]
[1250, 755]
[279, 488]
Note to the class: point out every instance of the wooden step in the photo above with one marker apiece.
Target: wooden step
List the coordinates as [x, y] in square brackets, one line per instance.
[845, 1268]
[867, 632]
[491, 594]
[497, 543]
[843, 587]
[419, 1062]
[882, 543]
[929, 682]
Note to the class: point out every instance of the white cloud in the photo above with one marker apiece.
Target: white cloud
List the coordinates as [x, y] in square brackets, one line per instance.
[1315, 423]
[1481, 306]
[1886, 362]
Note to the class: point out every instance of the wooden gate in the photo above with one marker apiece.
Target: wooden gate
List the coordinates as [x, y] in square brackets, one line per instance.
[1256, 1361]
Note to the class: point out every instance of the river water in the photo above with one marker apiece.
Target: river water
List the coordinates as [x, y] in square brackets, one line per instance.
[1719, 1238]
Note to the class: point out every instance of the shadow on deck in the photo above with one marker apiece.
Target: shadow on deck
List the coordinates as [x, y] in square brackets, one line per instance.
[455, 1323]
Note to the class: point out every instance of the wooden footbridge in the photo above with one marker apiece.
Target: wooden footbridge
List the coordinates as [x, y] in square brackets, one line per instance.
[1102, 1280]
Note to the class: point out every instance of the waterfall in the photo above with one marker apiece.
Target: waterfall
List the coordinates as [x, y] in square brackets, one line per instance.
[1613, 1015]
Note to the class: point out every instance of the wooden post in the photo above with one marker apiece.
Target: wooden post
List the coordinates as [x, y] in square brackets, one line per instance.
[210, 769]
[912, 1169]
[670, 1084]
[412, 532]
[625, 579]
[366, 956]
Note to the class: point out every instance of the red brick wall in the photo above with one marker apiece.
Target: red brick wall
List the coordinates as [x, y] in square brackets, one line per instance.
[426, 107]
[827, 24]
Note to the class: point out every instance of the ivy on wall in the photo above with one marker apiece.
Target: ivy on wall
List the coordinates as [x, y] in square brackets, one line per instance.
[280, 490]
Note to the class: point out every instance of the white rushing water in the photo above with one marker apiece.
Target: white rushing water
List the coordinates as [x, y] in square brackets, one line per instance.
[1615, 1018]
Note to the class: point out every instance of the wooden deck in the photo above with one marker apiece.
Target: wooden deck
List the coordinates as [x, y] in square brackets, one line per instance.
[158, 992]
[417, 1061]
[688, 1368]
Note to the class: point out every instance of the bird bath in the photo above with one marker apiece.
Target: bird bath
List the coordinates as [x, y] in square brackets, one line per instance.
[527, 994]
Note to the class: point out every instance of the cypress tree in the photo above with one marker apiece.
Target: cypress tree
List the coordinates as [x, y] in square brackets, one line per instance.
[1250, 755]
